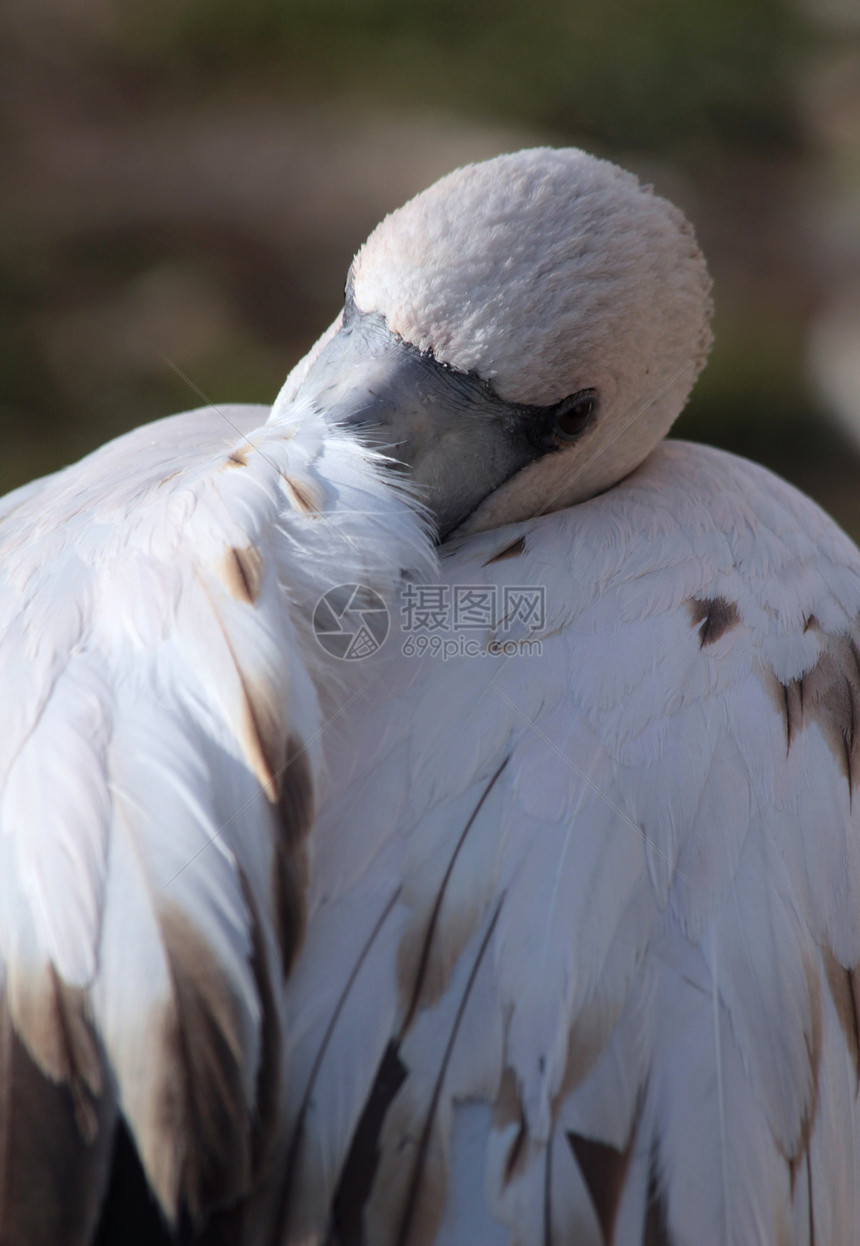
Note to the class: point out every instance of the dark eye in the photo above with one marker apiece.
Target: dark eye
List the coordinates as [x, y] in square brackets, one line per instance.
[571, 415]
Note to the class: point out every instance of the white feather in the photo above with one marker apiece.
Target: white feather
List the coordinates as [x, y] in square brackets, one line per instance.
[661, 864]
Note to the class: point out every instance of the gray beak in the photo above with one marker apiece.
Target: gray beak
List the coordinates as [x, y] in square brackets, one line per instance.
[448, 430]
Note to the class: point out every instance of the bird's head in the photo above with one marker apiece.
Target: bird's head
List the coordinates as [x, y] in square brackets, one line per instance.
[519, 336]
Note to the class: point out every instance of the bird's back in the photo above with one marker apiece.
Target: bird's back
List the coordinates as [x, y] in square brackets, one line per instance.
[599, 874]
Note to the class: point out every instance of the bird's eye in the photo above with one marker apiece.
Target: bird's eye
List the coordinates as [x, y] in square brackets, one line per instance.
[573, 414]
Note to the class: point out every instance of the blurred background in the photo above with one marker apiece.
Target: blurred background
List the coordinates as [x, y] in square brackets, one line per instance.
[183, 184]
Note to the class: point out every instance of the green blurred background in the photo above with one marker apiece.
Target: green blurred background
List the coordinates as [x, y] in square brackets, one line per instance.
[183, 184]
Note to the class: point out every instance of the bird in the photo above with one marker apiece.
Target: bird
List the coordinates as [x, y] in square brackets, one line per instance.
[553, 939]
[581, 962]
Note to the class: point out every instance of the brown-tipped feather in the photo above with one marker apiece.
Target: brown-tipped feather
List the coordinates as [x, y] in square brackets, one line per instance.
[242, 573]
[845, 989]
[205, 1121]
[512, 550]
[714, 616]
[303, 496]
[831, 698]
[267, 1117]
[51, 1019]
[792, 709]
[604, 1170]
[828, 694]
[294, 816]
[52, 1179]
[408, 1196]
[359, 1171]
[261, 730]
[262, 736]
[297, 804]
[655, 1231]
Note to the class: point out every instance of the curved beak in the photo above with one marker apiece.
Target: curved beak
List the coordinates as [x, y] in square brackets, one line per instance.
[448, 430]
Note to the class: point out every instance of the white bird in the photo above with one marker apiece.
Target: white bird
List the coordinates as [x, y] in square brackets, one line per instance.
[573, 969]
[584, 918]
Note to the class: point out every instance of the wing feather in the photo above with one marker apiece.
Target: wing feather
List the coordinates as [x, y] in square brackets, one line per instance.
[160, 775]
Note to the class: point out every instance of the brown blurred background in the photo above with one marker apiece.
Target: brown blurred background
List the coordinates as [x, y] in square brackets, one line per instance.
[183, 184]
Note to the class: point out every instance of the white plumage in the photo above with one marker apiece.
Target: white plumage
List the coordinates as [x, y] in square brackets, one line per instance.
[555, 944]
[610, 921]
[165, 700]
